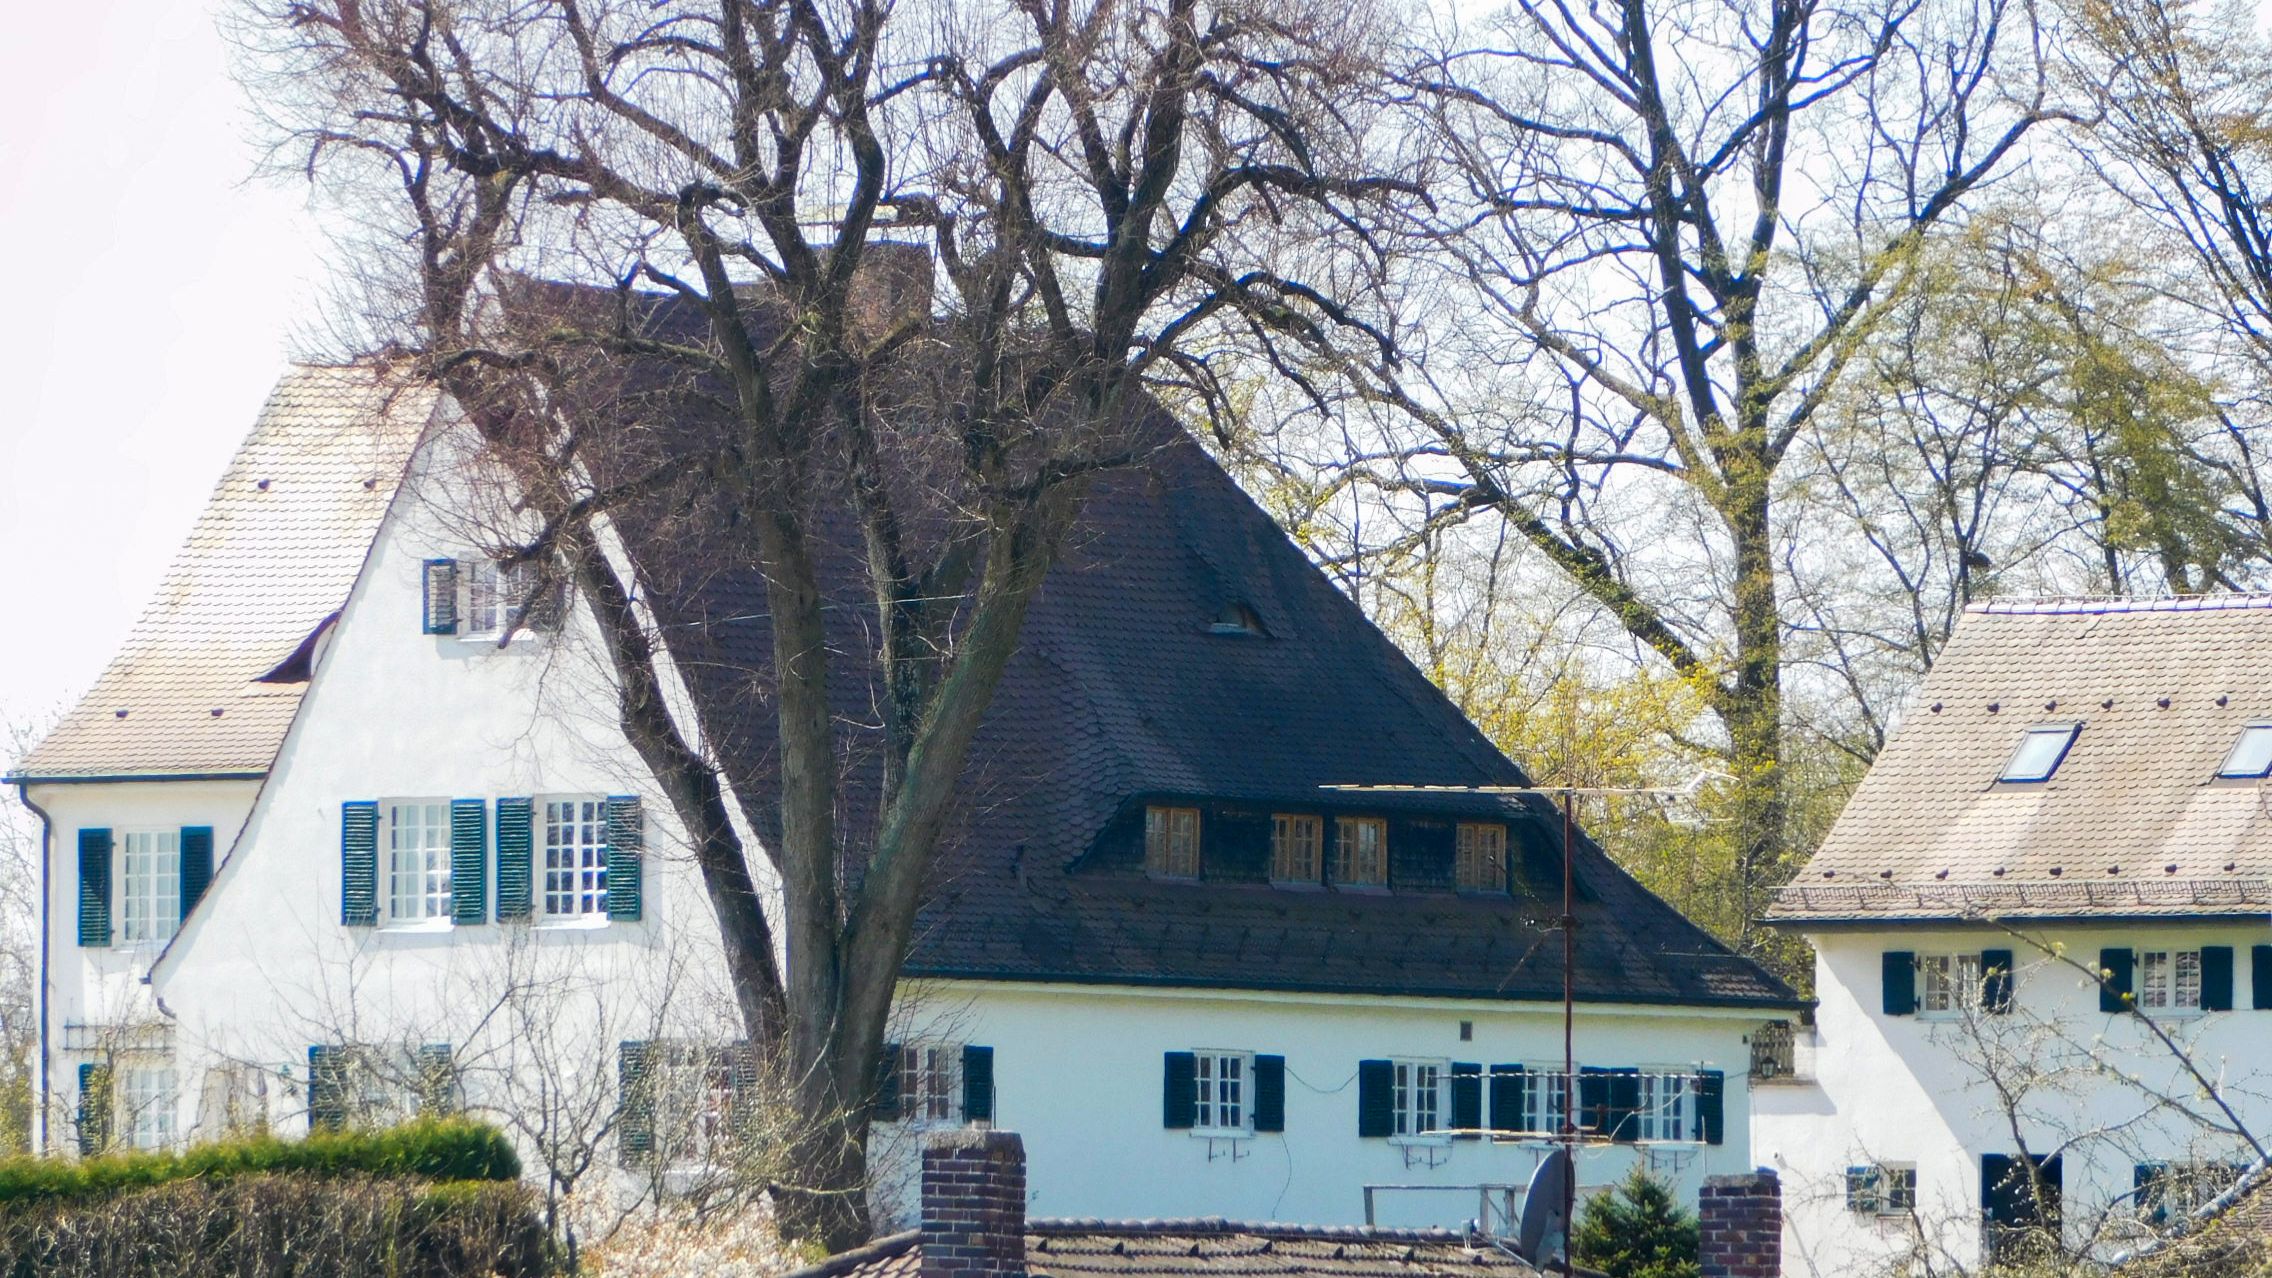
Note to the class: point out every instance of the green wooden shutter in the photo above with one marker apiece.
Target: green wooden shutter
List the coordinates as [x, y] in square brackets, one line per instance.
[2260, 977]
[1507, 1098]
[327, 1087]
[744, 1098]
[1996, 981]
[1467, 1099]
[1898, 970]
[1376, 1098]
[1179, 1091]
[359, 863]
[515, 858]
[1625, 1104]
[437, 1078]
[634, 1103]
[196, 865]
[626, 837]
[95, 1107]
[2114, 989]
[1594, 1107]
[978, 1084]
[469, 861]
[2216, 978]
[441, 597]
[94, 887]
[1712, 1107]
[887, 1084]
[1269, 1093]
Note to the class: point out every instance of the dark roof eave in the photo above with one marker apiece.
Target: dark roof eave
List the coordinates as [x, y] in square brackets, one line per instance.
[1787, 1002]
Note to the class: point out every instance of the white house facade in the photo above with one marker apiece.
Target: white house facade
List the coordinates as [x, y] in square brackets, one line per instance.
[385, 849]
[2040, 937]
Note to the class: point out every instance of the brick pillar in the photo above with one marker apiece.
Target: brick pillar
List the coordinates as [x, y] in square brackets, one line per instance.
[974, 1205]
[1741, 1218]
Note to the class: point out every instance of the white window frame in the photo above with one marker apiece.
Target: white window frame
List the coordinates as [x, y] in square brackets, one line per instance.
[2065, 733]
[694, 1104]
[1223, 1093]
[1948, 985]
[1417, 1094]
[1285, 844]
[505, 587]
[152, 916]
[1882, 1190]
[2169, 982]
[147, 1095]
[1546, 1100]
[1172, 841]
[1346, 851]
[1665, 1112]
[930, 1084]
[2253, 733]
[417, 878]
[2185, 1186]
[1479, 846]
[581, 883]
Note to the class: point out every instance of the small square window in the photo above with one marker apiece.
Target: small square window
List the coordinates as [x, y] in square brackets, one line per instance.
[1171, 842]
[1295, 843]
[1886, 1189]
[930, 1083]
[2040, 752]
[2252, 754]
[1360, 854]
[1481, 864]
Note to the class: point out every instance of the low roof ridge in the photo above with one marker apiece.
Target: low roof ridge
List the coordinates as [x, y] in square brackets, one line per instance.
[2078, 605]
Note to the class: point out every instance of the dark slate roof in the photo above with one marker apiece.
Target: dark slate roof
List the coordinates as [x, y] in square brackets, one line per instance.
[1180, 1248]
[1121, 692]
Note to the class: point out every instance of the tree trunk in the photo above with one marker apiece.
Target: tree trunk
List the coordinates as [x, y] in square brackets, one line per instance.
[1751, 703]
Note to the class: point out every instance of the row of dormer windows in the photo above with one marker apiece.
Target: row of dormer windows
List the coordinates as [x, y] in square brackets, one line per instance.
[1298, 851]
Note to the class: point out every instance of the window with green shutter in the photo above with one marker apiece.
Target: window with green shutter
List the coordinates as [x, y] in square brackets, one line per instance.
[94, 887]
[359, 863]
[626, 844]
[469, 861]
[635, 1105]
[96, 1106]
[515, 873]
[196, 865]
[441, 597]
[327, 1087]
[978, 1085]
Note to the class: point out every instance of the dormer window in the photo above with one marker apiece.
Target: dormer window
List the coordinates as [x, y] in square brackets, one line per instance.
[1171, 842]
[1480, 864]
[1237, 619]
[2040, 752]
[2251, 758]
[1296, 844]
[1360, 853]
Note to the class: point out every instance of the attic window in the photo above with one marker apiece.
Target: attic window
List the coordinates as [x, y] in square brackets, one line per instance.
[2251, 758]
[2040, 752]
[1237, 619]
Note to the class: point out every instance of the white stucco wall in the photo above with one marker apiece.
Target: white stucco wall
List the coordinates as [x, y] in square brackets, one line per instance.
[1920, 1090]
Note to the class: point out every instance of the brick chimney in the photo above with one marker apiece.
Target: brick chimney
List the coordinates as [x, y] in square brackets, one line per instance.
[974, 1205]
[1741, 1219]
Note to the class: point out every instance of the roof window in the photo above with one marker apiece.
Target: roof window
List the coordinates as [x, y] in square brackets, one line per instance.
[2040, 752]
[2252, 754]
[1237, 619]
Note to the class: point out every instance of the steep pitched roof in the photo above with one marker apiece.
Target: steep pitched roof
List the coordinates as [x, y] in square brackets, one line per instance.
[2134, 822]
[1186, 1248]
[269, 561]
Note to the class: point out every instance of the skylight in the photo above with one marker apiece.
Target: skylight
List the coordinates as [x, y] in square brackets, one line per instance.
[2252, 754]
[2040, 752]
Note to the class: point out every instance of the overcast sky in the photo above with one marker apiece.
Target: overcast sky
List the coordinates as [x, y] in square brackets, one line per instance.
[151, 299]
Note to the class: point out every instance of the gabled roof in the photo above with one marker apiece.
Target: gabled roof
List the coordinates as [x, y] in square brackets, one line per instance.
[1187, 1248]
[269, 561]
[2135, 821]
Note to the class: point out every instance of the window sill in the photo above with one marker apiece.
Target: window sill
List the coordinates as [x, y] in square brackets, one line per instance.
[1222, 1133]
[1431, 1139]
[417, 927]
[575, 923]
[1297, 885]
[1361, 889]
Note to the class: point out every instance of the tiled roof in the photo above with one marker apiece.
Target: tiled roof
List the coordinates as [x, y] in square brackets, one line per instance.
[2134, 822]
[269, 561]
[1175, 1248]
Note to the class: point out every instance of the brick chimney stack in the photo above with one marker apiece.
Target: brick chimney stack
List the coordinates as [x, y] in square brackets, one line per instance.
[974, 1205]
[1741, 1219]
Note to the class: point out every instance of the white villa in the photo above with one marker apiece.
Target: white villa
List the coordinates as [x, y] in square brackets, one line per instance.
[348, 829]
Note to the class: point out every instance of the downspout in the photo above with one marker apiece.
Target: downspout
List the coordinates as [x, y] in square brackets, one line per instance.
[46, 902]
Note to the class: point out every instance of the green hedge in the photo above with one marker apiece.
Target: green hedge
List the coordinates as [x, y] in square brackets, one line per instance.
[429, 1149]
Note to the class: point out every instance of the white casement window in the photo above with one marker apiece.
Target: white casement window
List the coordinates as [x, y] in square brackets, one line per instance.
[1546, 1101]
[492, 593]
[1882, 1189]
[1417, 1091]
[930, 1083]
[417, 843]
[233, 1102]
[694, 1103]
[2169, 980]
[1223, 1086]
[1360, 853]
[2171, 1191]
[575, 856]
[1665, 1108]
[1481, 861]
[149, 884]
[1171, 842]
[149, 1103]
[1948, 984]
[1296, 844]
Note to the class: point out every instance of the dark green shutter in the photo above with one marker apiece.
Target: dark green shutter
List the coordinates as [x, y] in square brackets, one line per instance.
[515, 858]
[1376, 1098]
[2145, 1184]
[196, 865]
[634, 1102]
[887, 1084]
[1179, 1091]
[327, 1087]
[2260, 977]
[1996, 981]
[1625, 1104]
[1467, 1099]
[1594, 1109]
[2114, 989]
[441, 597]
[469, 861]
[437, 1078]
[1899, 970]
[2216, 978]
[359, 863]
[1507, 1098]
[626, 836]
[1712, 1106]
[1269, 1093]
[95, 1107]
[745, 1101]
[978, 1084]
[94, 887]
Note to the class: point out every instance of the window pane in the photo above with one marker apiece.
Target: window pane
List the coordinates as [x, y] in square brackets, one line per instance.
[149, 885]
[2039, 753]
[418, 859]
[2252, 754]
[575, 857]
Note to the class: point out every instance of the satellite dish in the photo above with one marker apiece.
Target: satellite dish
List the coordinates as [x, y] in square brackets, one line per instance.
[1544, 1230]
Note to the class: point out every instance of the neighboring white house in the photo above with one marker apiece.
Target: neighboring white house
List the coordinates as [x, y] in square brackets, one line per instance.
[334, 839]
[2040, 930]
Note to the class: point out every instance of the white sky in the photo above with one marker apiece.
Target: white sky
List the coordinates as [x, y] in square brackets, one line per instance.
[152, 296]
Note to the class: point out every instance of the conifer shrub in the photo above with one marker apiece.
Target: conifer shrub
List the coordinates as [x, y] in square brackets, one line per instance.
[1636, 1230]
